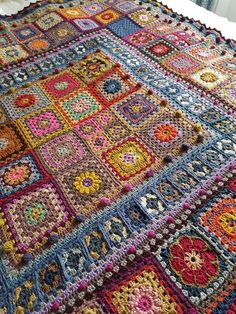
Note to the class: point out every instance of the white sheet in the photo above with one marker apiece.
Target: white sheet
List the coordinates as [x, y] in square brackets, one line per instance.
[185, 7]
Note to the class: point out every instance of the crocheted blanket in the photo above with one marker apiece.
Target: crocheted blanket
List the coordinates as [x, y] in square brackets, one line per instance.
[117, 154]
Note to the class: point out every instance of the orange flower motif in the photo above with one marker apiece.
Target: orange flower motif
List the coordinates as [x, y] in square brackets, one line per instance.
[165, 132]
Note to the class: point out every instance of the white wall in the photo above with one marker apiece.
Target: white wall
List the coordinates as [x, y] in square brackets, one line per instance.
[226, 8]
[231, 12]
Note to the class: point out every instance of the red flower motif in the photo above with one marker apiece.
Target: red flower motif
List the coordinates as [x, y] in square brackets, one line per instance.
[24, 101]
[193, 261]
[232, 184]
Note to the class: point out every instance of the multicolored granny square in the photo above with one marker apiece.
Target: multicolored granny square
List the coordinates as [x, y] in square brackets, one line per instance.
[64, 147]
[126, 6]
[202, 53]
[24, 101]
[183, 39]
[79, 107]
[145, 288]
[84, 185]
[227, 64]
[38, 44]
[142, 17]
[11, 142]
[48, 21]
[228, 92]
[136, 109]
[160, 49]
[39, 212]
[12, 54]
[42, 125]
[181, 64]
[112, 87]
[218, 217]
[86, 25]
[62, 33]
[92, 67]
[107, 16]
[71, 13]
[26, 32]
[94, 8]
[209, 78]
[140, 38]
[128, 158]
[61, 85]
[168, 133]
[6, 39]
[19, 174]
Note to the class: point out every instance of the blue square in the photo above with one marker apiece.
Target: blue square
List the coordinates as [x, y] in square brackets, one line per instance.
[123, 27]
[26, 32]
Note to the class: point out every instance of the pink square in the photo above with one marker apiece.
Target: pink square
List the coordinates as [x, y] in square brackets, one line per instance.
[43, 124]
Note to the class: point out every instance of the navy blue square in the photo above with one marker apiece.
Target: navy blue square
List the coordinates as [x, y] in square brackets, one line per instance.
[123, 27]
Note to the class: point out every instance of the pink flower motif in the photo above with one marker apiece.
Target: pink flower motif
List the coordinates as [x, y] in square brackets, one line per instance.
[144, 300]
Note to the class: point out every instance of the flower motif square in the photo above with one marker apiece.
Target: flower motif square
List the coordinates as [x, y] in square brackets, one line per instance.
[209, 78]
[128, 158]
[60, 85]
[140, 38]
[107, 16]
[86, 25]
[165, 132]
[72, 13]
[111, 87]
[38, 44]
[79, 107]
[6, 39]
[19, 174]
[94, 66]
[142, 17]
[94, 8]
[218, 218]
[24, 101]
[145, 288]
[27, 32]
[64, 147]
[181, 64]
[194, 264]
[152, 204]
[84, 184]
[62, 33]
[160, 49]
[123, 27]
[41, 125]
[32, 216]
[137, 109]
[12, 142]
[12, 53]
[48, 21]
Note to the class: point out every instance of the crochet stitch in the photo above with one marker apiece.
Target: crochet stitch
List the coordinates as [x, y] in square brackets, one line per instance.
[117, 161]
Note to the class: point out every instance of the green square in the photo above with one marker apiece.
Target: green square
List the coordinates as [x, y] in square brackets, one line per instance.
[80, 107]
